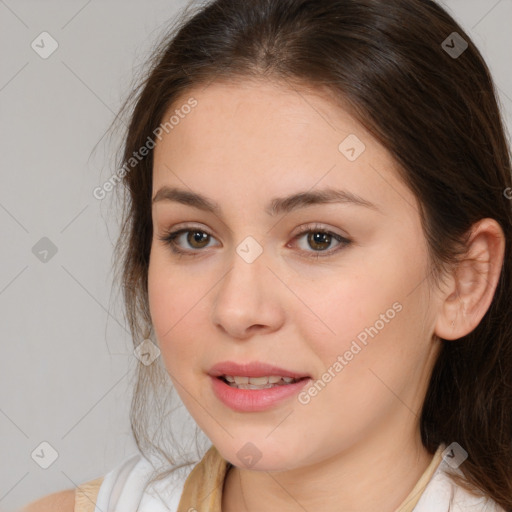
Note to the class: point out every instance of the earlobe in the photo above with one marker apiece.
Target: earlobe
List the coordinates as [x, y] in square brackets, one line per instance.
[473, 282]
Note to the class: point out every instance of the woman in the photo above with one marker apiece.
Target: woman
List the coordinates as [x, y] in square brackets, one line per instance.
[317, 236]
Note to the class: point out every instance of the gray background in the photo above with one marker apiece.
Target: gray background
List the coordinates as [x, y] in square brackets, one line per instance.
[66, 358]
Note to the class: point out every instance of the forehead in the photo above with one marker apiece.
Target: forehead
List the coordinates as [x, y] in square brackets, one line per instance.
[261, 113]
[264, 136]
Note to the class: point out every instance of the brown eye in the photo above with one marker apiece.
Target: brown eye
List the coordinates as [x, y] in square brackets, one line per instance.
[316, 242]
[319, 240]
[187, 241]
[197, 239]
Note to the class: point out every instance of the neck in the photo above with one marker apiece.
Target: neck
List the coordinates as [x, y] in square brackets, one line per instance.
[359, 478]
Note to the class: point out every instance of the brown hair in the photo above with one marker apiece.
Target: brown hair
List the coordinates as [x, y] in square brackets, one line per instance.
[437, 115]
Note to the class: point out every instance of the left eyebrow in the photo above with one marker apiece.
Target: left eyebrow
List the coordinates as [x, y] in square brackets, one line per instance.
[275, 206]
[323, 196]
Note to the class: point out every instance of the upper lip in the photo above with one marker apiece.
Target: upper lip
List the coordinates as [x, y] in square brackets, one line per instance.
[252, 369]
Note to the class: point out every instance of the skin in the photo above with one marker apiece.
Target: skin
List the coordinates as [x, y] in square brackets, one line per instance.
[356, 445]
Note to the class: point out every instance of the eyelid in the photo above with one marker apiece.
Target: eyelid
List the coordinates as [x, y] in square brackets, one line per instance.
[301, 230]
[316, 226]
[171, 234]
[343, 241]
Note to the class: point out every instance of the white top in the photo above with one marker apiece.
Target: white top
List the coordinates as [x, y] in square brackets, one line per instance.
[124, 490]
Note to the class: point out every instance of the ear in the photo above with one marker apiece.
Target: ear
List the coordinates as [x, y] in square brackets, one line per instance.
[473, 283]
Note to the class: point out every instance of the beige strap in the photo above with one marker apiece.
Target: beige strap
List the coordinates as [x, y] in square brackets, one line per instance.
[414, 496]
[86, 495]
[202, 491]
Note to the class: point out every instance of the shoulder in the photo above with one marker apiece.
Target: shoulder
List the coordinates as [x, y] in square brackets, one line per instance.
[443, 494]
[63, 501]
[127, 480]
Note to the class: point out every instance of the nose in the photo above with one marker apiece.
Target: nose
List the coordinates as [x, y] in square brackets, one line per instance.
[249, 299]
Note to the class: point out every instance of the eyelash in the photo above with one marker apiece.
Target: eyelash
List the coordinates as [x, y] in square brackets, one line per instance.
[170, 236]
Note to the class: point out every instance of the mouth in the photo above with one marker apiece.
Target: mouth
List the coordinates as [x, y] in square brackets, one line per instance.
[256, 394]
[255, 386]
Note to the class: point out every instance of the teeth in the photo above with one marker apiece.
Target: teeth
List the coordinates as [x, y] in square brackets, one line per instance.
[257, 382]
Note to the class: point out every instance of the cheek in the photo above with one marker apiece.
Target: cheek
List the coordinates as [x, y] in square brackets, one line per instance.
[344, 310]
[373, 319]
[176, 302]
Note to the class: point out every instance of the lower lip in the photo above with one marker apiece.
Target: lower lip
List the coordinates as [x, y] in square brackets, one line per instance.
[254, 400]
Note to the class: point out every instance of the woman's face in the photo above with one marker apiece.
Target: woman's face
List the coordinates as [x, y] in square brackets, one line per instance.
[356, 317]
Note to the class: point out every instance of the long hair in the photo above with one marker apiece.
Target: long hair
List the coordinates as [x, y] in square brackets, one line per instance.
[430, 101]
